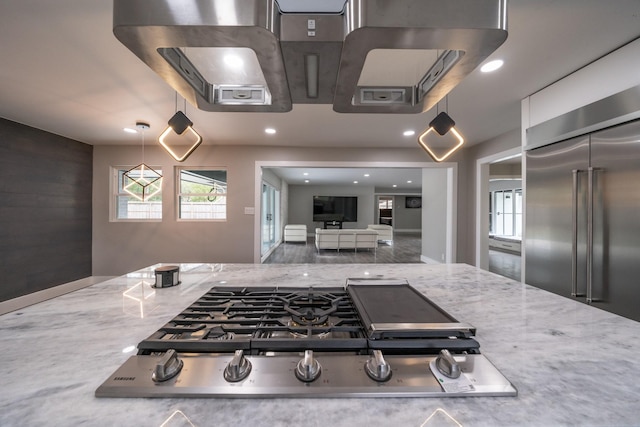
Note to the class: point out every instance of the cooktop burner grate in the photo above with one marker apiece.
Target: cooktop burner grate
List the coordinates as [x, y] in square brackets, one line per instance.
[263, 319]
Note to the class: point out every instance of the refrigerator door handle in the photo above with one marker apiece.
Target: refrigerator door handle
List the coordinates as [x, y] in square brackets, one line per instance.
[592, 176]
[574, 231]
[590, 188]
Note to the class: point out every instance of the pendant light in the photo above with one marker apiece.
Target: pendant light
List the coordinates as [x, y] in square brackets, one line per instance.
[181, 126]
[441, 124]
[142, 181]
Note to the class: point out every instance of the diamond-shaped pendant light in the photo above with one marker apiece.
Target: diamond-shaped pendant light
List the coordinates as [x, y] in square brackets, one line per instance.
[142, 181]
[180, 125]
[442, 125]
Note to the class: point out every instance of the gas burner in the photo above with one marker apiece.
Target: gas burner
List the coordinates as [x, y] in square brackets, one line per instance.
[321, 330]
[218, 333]
[310, 317]
[311, 308]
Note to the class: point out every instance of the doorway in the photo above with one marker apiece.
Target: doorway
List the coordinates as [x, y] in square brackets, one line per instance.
[385, 210]
[444, 213]
[485, 203]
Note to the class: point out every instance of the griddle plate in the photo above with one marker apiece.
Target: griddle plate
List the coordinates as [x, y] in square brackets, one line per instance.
[394, 309]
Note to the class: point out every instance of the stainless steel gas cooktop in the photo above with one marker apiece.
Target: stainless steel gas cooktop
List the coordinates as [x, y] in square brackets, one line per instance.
[370, 338]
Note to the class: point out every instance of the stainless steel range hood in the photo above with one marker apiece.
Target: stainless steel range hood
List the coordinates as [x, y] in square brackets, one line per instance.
[366, 56]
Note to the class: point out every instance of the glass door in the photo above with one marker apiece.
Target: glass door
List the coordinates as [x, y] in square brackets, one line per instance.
[269, 218]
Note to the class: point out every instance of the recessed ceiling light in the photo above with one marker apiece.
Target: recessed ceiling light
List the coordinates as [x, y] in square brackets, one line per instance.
[306, 180]
[270, 131]
[409, 182]
[409, 132]
[492, 66]
[129, 130]
[306, 174]
[394, 185]
[366, 174]
[355, 182]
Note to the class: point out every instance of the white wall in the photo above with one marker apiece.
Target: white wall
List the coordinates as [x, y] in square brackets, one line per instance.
[609, 75]
[434, 215]
[501, 184]
[301, 207]
[406, 219]
[301, 204]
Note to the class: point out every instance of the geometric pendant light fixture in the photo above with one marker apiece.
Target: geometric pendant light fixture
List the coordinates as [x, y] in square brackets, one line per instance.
[142, 181]
[180, 125]
[441, 124]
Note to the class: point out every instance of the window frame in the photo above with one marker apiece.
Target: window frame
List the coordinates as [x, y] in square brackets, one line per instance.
[114, 194]
[178, 194]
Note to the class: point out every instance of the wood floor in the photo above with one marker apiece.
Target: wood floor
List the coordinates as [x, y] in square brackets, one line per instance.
[505, 264]
[406, 248]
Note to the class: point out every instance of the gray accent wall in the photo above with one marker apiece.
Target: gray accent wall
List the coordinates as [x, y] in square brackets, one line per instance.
[46, 209]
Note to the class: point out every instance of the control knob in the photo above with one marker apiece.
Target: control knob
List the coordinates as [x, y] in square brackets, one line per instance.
[308, 368]
[447, 365]
[377, 368]
[167, 367]
[238, 368]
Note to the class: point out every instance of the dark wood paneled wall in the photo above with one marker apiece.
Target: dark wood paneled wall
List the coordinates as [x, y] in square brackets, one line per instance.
[45, 209]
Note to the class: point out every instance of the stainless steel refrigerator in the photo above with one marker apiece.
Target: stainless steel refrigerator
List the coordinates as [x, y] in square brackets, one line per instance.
[583, 219]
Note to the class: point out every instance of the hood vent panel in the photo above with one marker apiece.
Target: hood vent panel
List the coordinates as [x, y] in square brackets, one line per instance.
[249, 55]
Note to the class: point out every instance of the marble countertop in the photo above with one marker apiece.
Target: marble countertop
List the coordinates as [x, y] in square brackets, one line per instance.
[572, 364]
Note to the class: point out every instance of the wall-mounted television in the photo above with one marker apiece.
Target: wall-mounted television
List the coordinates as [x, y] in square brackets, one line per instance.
[335, 208]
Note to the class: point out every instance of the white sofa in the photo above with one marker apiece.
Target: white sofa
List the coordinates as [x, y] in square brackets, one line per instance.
[295, 233]
[385, 232]
[346, 239]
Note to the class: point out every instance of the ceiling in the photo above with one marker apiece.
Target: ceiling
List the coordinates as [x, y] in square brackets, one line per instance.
[385, 179]
[63, 71]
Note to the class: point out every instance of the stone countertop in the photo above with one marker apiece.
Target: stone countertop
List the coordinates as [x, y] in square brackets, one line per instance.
[572, 364]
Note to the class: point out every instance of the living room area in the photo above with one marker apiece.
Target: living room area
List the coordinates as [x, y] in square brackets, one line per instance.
[357, 221]
[405, 248]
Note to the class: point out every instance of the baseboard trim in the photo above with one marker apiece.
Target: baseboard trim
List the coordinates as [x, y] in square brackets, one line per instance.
[46, 294]
[428, 260]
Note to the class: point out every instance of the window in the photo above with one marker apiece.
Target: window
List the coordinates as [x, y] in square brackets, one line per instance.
[385, 203]
[127, 207]
[505, 212]
[202, 194]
